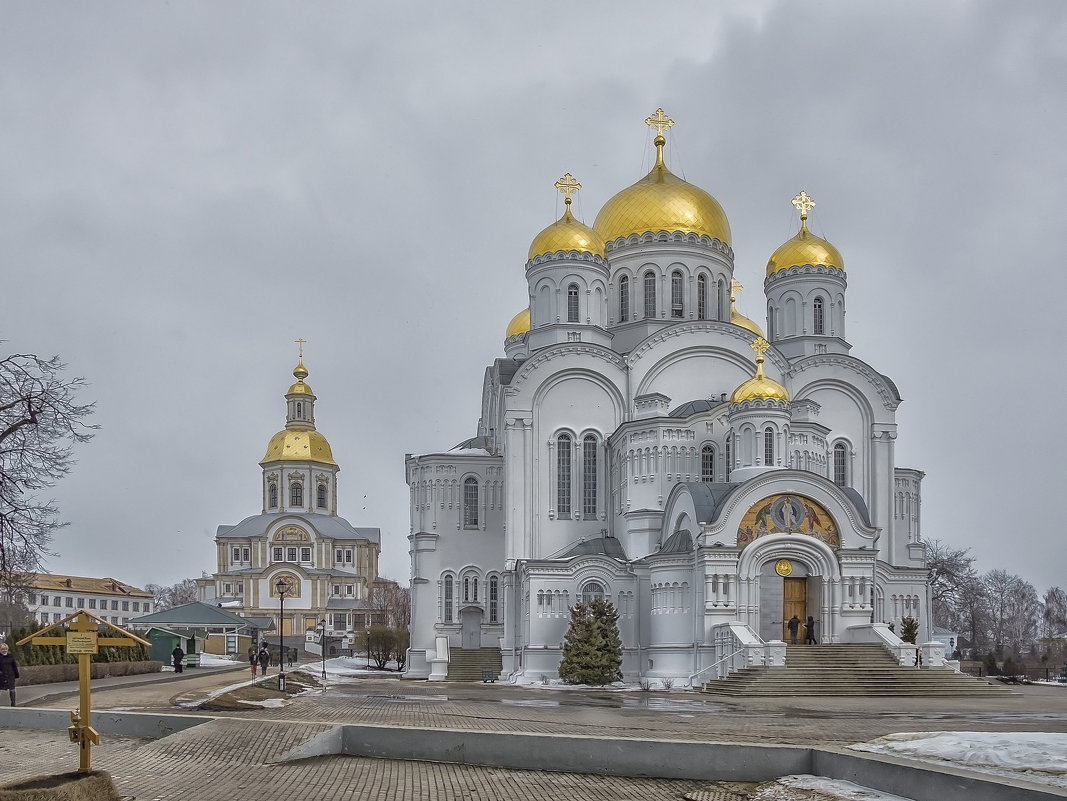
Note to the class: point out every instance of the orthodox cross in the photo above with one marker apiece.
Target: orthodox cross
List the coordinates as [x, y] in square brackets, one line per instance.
[760, 346]
[659, 121]
[300, 345]
[567, 185]
[804, 204]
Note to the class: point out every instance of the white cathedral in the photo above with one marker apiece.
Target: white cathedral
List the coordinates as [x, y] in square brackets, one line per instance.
[642, 442]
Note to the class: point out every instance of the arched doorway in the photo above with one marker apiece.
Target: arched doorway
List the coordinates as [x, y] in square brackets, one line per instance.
[470, 618]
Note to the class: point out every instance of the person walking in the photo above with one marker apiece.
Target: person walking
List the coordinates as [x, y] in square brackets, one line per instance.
[794, 626]
[9, 671]
[253, 662]
[809, 632]
[264, 659]
[177, 656]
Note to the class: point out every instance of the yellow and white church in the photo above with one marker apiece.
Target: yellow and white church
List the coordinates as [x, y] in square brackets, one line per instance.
[641, 441]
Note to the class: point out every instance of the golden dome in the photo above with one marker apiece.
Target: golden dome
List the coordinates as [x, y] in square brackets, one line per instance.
[299, 446]
[567, 234]
[300, 373]
[735, 316]
[759, 387]
[519, 325]
[805, 247]
[661, 201]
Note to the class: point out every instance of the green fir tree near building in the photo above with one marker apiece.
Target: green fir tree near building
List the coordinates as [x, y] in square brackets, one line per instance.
[592, 648]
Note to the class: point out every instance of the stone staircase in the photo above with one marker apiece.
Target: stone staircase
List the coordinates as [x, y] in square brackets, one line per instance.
[467, 664]
[849, 669]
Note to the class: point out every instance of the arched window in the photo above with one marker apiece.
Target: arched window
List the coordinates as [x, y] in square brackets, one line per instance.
[272, 496]
[589, 475]
[572, 303]
[447, 601]
[650, 295]
[702, 297]
[563, 475]
[624, 299]
[466, 589]
[676, 294]
[768, 446]
[721, 301]
[592, 591]
[729, 457]
[840, 464]
[296, 494]
[707, 463]
[320, 496]
[470, 502]
[494, 599]
[818, 325]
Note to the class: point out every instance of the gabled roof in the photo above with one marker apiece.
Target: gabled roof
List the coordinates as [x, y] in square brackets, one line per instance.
[54, 582]
[194, 615]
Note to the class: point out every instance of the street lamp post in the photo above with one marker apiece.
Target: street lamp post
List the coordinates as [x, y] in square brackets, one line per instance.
[322, 644]
[281, 586]
[368, 649]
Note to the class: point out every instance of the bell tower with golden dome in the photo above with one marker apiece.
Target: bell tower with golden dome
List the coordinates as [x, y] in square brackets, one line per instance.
[567, 276]
[299, 473]
[805, 287]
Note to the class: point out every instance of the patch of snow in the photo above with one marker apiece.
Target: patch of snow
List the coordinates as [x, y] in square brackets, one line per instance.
[805, 788]
[1039, 757]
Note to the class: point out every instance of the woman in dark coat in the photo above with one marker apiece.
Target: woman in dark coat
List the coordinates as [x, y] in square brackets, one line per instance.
[809, 631]
[178, 657]
[9, 671]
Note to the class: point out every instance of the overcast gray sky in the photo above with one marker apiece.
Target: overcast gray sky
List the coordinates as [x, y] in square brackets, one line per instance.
[186, 188]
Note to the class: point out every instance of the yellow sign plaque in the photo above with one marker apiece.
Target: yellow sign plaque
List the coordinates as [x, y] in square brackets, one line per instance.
[81, 642]
[783, 567]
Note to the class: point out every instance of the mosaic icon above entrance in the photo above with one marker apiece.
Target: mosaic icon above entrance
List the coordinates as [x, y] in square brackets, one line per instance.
[787, 514]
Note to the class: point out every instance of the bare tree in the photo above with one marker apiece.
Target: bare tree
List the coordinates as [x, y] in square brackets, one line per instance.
[1013, 611]
[40, 422]
[183, 592]
[1054, 613]
[393, 603]
[951, 580]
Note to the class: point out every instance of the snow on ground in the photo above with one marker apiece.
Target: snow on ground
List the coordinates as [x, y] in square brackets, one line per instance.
[1032, 756]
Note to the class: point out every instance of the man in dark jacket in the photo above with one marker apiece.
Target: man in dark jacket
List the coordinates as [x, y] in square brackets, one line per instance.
[264, 659]
[9, 671]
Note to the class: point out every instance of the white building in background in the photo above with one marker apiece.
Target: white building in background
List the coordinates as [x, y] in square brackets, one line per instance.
[50, 597]
[326, 565]
[642, 441]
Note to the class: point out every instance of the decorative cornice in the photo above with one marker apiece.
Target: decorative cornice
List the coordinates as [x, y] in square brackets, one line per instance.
[678, 237]
[560, 350]
[567, 255]
[882, 385]
[798, 270]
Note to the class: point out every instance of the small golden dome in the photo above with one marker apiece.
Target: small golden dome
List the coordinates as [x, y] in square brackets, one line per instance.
[760, 387]
[735, 316]
[300, 373]
[519, 325]
[299, 446]
[805, 247]
[567, 234]
[661, 201]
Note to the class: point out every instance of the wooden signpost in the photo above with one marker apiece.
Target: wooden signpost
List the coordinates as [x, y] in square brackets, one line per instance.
[83, 638]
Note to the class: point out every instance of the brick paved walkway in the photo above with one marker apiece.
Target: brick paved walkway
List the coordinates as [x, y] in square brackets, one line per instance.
[233, 756]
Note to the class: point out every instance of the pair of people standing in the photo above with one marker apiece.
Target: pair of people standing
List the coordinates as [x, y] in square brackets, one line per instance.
[793, 624]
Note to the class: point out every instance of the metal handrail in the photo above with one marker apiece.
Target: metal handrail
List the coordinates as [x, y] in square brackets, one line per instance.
[715, 665]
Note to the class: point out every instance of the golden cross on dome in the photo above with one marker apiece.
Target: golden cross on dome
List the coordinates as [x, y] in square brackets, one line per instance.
[760, 346]
[659, 121]
[567, 185]
[804, 204]
[300, 345]
[735, 287]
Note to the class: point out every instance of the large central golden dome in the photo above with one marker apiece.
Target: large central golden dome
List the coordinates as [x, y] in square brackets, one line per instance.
[298, 446]
[661, 201]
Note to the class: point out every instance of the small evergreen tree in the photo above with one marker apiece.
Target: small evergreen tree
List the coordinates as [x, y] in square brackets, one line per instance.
[990, 664]
[909, 629]
[592, 647]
